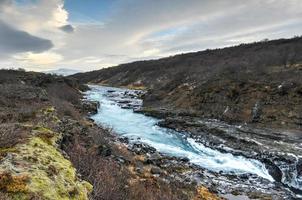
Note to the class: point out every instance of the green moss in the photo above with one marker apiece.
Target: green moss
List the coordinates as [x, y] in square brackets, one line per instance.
[37, 168]
[51, 176]
[46, 135]
[134, 87]
[7, 150]
[49, 110]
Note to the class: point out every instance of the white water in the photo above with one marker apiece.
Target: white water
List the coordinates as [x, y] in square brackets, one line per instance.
[140, 127]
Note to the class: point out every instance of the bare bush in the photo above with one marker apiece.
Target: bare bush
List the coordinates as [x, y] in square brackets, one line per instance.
[65, 108]
[108, 178]
[10, 135]
[64, 93]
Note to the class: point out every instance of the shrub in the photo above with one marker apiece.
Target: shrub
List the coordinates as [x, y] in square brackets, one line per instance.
[10, 135]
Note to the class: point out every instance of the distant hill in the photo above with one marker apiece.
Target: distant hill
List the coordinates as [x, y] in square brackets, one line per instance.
[63, 71]
[258, 82]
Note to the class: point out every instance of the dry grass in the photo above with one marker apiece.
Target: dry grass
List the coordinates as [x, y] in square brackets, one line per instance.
[10, 183]
[11, 134]
[107, 177]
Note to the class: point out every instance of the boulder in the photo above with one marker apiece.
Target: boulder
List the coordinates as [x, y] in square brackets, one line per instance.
[104, 151]
[141, 148]
[155, 170]
[90, 107]
[273, 170]
[256, 112]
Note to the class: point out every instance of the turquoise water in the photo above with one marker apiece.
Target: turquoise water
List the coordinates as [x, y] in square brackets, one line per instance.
[138, 127]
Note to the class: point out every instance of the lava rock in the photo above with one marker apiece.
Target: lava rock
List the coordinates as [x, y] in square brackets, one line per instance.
[124, 102]
[185, 159]
[104, 151]
[155, 170]
[90, 107]
[273, 170]
[124, 140]
[256, 112]
[299, 167]
[141, 148]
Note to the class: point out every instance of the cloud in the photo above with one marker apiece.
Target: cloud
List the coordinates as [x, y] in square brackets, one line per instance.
[35, 59]
[35, 17]
[5, 2]
[144, 29]
[67, 28]
[29, 28]
[16, 41]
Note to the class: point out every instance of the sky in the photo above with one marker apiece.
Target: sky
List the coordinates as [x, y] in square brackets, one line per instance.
[85, 35]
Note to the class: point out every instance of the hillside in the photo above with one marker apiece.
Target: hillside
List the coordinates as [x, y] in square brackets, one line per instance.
[256, 83]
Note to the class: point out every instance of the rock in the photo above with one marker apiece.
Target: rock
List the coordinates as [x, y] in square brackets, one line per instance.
[90, 107]
[154, 159]
[104, 151]
[141, 148]
[299, 167]
[185, 159]
[139, 170]
[126, 106]
[124, 102]
[124, 140]
[120, 160]
[256, 112]
[273, 170]
[155, 170]
[298, 90]
[284, 88]
[139, 167]
[150, 162]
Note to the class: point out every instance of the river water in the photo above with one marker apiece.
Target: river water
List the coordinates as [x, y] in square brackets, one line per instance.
[138, 127]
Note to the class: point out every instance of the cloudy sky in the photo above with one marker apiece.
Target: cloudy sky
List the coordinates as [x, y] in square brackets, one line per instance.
[90, 34]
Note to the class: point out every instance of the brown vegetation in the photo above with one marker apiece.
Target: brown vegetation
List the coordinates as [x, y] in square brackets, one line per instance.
[10, 183]
[222, 83]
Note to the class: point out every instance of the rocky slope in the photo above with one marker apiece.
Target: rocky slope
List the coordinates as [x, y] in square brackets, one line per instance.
[50, 150]
[257, 83]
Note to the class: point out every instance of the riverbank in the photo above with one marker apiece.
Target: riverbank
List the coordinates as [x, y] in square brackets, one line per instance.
[279, 151]
[216, 135]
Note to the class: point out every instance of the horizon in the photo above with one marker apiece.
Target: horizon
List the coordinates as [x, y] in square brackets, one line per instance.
[43, 35]
[54, 70]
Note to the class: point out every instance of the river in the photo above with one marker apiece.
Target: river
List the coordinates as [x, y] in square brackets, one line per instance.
[138, 127]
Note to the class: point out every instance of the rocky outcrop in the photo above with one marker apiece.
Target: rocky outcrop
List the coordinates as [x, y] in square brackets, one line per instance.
[90, 107]
[36, 168]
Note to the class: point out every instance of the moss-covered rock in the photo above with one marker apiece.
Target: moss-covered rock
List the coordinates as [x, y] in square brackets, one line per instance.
[37, 167]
